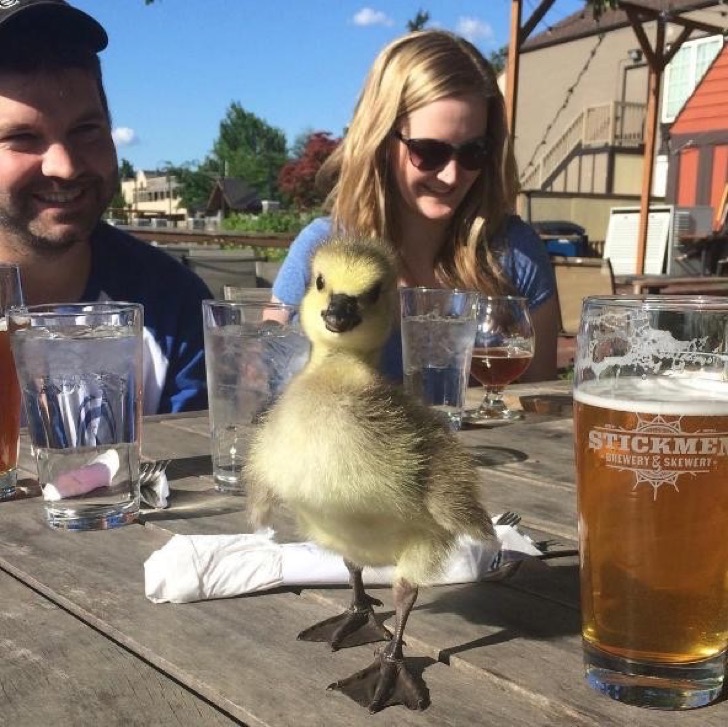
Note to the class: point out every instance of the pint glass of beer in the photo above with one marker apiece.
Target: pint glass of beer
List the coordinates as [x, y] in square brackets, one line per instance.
[651, 441]
[10, 297]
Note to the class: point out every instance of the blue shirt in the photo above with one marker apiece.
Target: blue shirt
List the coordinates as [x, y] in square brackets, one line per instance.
[525, 262]
[124, 268]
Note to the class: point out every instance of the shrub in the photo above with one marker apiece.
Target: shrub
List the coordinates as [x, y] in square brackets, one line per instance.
[270, 222]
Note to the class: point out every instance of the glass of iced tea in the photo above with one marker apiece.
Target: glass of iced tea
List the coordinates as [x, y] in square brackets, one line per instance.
[504, 343]
[651, 444]
[11, 296]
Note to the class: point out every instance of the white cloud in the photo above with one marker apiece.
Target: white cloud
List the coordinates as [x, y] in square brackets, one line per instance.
[474, 29]
[124, 136]
[369, 16]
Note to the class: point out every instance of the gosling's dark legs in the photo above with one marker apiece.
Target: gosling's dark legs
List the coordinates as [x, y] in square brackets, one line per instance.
[386, 681]
[357, 625]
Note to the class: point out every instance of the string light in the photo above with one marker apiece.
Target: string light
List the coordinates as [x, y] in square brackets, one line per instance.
[567, 98]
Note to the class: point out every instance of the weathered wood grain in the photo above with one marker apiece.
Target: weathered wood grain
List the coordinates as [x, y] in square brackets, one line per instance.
[56, 670]
[506, 653]
[238, 653]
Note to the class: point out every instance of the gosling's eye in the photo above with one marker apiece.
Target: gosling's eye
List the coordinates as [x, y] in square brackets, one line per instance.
[319, 282]
[372, 295]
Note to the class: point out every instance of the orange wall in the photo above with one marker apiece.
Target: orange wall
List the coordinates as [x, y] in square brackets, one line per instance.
[719, 179]
[707, 108]
[687, 182]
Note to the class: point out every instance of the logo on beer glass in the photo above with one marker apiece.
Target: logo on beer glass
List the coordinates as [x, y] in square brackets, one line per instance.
[657, 450]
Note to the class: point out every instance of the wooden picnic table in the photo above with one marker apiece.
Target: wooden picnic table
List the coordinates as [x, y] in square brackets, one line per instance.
[81, 644]
[709, 248]
[673, 284]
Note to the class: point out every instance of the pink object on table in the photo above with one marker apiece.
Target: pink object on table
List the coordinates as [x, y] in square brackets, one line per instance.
[99, 472]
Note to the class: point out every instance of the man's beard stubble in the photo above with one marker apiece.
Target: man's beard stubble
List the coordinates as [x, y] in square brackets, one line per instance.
[24, 232]
[19, 236]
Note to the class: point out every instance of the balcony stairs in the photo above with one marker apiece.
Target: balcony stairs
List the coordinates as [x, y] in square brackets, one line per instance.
[616, 125]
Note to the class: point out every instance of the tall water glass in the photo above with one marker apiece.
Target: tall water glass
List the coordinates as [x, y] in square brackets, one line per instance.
[11, 296]
[80, 371]
[252, 350]
[438, 332]
[651, 438]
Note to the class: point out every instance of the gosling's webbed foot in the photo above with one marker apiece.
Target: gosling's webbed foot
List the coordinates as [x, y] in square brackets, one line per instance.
[384, 683]
[356, 626]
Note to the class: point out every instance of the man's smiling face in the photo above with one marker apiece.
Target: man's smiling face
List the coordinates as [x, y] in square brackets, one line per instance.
[58, 167]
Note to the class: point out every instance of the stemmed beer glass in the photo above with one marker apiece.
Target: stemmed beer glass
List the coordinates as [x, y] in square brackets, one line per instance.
[504, 345]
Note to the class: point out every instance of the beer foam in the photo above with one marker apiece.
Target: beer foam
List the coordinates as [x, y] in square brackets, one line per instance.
[636, 337]
[676, 395]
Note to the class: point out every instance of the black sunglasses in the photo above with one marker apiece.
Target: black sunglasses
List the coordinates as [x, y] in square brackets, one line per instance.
[428, 155]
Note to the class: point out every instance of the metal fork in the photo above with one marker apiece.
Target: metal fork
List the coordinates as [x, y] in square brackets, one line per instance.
[153, 486]
[508, 518]
[149, 471]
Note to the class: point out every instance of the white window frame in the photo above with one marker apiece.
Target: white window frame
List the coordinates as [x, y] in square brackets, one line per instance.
[686, 57]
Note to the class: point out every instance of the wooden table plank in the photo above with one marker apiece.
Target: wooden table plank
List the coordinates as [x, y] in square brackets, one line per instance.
[56, 670]
[492, 629]
[674, 284]
[540, 448]
[241, 654]
[509, 652]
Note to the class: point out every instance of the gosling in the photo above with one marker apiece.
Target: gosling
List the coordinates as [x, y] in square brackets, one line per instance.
[370, 473]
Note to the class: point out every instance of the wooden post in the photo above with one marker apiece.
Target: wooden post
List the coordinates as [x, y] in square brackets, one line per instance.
[656, 65]
[514, 49]
[647, 170]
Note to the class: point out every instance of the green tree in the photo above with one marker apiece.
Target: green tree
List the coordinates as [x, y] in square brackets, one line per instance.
[498, 59]
[126, 169]
[601, 6]
[419, 21]
[196, 182]
[251, 149]
[118, 204]
[299, 143]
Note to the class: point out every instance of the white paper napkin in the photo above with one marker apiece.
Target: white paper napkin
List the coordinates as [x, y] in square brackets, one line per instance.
[200, 567]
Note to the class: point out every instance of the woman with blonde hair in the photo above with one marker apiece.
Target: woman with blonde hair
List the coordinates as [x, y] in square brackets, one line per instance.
[427, 165]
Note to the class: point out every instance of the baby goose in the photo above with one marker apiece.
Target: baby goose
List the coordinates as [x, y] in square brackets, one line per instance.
[370, 473]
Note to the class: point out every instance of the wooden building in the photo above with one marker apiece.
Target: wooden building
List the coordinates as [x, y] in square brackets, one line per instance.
[582, 109]
[699, 143]
[232, 194]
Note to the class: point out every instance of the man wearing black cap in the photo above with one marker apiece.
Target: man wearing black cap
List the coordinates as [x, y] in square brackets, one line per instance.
[58, 174]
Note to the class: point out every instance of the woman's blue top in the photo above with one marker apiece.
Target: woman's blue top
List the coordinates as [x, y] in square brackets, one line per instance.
[524, 260]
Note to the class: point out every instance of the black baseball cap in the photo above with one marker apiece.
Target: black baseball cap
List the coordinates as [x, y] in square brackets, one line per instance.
[51, 18]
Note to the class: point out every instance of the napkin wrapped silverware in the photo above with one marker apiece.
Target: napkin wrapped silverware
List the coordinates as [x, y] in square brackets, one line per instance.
[200, 567]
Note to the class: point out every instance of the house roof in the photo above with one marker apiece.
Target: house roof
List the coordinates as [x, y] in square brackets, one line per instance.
[582, 24]
[236, 194]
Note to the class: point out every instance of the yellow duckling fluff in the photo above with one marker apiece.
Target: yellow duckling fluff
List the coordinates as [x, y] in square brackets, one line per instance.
[369, 472]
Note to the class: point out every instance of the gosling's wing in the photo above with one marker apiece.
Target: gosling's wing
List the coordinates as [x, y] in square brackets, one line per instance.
[452, 483]
[356, 444]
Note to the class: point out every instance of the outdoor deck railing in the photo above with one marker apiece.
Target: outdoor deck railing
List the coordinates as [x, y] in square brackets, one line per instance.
[614, 124]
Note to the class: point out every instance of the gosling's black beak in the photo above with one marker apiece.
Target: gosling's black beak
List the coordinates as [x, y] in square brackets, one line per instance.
[342, 313]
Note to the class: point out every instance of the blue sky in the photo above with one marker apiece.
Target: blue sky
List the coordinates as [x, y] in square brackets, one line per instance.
[172, 69]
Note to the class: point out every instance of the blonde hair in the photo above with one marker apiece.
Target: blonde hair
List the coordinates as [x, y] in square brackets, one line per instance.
[409, 73]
